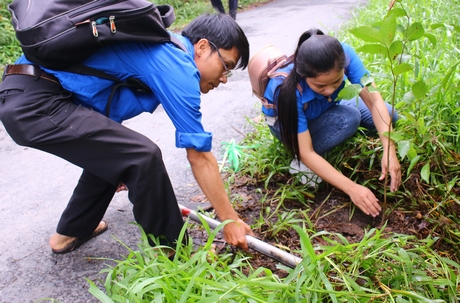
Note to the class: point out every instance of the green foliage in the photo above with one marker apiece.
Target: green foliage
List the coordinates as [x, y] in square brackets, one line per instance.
[378, 269]
[9, 46]
[234, 153]
[268, 158]
[395, 269]
[186, 11]
[269, 164]
[413, 51]
[148, 275]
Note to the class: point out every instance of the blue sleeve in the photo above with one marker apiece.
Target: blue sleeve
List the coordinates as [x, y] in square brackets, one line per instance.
[354, 68]
[178, 90]
[270, 94]
[182, 104]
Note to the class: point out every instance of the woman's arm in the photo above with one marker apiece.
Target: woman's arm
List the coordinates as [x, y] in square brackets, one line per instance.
[359, 195]
[382, 122]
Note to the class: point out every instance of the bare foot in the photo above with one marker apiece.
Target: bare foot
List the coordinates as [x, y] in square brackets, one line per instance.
[63, 244]
[58, 241]
[121, 187]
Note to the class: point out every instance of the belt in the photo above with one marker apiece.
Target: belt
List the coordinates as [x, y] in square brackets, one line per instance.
[29, 70]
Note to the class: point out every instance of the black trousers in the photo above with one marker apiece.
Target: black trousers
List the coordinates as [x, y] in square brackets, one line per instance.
[40, 114]
[232, 5]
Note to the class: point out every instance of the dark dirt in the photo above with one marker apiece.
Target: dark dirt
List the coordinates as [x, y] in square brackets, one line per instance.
[329, 210]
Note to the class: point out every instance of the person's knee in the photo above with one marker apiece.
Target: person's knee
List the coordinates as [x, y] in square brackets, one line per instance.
[151, 154]
[331, 129]
[348, 120]
[144, 156]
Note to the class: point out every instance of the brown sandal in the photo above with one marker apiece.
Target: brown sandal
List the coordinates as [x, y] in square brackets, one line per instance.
[77, 242]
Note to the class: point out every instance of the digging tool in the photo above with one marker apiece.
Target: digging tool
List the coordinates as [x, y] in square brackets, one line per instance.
[254, 243]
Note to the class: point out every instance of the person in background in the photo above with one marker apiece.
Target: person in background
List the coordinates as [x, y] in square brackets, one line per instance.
[65, 115]
[232, 7]
[310, 120]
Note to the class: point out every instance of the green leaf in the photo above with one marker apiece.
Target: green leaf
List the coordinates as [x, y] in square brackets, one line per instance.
[414, 31]
[446, 80]
[396, 49]
[419, 89]
[403, 148]
[431, 37]
[97, 293]
[375, 49]
[395, 136]
[425, 172]
[366, 81]
[413, 162]
[349, 92]
[388, 30]
[408, 97]
[366, 33]
[437, 25]
[306, 244]
[402, 68]
[397, 12]
[412, 152]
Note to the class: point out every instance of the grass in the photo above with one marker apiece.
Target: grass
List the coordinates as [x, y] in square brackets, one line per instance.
[378, 269]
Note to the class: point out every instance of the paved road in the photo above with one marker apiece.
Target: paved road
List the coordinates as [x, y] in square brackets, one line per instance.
[35, 187]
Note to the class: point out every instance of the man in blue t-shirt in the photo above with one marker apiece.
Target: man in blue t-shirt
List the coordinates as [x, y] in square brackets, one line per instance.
[65, 115]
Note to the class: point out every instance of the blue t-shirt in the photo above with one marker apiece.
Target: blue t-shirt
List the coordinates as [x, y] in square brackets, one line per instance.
[170, 73]
[317, 103]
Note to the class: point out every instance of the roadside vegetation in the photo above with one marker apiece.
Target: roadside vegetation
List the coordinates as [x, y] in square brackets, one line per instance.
[412, 51]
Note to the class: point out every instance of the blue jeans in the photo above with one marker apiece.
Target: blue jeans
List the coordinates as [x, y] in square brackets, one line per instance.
[338, 123]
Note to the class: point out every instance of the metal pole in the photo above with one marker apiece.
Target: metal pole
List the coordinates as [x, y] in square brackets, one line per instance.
[254, 243]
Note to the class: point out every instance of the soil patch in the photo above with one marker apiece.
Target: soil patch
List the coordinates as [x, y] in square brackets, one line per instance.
[328, 209]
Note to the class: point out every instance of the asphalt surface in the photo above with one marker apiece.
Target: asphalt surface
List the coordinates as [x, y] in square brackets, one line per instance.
[35, 186]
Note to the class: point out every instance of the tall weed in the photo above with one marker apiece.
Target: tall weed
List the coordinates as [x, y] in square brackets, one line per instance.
[378, 269]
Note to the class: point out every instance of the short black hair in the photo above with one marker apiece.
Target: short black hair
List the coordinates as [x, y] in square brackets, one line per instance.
[221, 30]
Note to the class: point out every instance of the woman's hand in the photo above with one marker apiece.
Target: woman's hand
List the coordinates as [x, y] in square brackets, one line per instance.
[394, 168]
[366, 201]
[382, 122]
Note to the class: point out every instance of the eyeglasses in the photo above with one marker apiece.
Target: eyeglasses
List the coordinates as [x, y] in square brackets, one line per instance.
[227, 73]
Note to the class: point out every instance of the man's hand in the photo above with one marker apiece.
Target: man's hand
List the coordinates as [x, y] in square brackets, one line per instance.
[206, 172]
[235, 234]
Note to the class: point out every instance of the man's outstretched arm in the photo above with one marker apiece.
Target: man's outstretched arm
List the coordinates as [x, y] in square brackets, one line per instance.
[206, 172]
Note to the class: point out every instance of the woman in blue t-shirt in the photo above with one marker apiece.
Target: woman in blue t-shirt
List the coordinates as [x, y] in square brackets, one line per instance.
[309, 119]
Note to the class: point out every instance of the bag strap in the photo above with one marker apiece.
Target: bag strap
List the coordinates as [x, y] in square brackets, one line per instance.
[286, 61]
[272, 73]
[167, 14]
